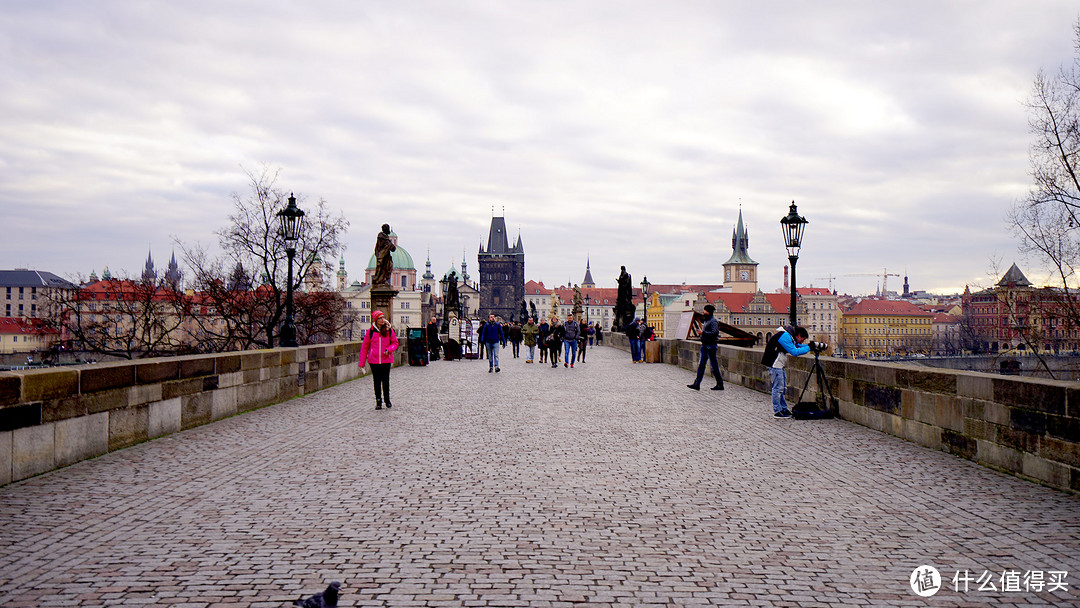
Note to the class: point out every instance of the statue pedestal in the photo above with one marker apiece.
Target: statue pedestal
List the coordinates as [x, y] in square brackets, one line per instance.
[382, 298]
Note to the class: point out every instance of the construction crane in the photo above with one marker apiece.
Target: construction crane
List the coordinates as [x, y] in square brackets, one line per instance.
[829, 278]
[885, 274]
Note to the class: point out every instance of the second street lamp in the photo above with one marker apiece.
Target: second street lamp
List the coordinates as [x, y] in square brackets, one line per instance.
[792, 226]
[645, 285]
[292, 219]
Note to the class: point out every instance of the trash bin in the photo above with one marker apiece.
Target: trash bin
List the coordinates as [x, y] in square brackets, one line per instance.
[418, 350]
[652, 352]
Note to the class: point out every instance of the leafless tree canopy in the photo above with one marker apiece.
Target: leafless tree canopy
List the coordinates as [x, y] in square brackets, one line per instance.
[246, 287]
[121, 317]
[1046, 220]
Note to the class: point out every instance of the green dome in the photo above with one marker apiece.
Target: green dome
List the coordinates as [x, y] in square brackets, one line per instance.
[401, 258]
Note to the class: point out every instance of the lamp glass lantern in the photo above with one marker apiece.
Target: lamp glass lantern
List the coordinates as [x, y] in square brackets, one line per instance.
[291, 222]
[793, 225]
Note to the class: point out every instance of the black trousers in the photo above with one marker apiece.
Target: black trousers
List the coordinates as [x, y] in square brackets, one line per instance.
[380, 374]
[708, 353]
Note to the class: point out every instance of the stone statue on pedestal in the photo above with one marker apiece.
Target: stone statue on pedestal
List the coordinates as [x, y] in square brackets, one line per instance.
[384, 263]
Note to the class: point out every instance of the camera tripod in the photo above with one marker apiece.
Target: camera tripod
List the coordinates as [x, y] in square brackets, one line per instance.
[825, 401]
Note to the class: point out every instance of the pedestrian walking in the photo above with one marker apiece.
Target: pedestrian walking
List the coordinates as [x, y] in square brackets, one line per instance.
[710, 335]
[491, 337]
[571, 333]
[480, 338]
[433, 339]
[554, 341]
[377, 351]
[583, 341]
[515, 338]
[541, 339]
[632, 335]
[599, 334]
[529, 334]
[787, 341]
[645, 334]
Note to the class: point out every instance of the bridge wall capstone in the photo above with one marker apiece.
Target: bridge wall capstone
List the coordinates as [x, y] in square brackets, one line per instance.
[54, 417]
[1026, 426]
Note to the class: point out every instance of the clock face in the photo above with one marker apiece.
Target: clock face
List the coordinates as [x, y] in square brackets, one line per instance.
[744, 275]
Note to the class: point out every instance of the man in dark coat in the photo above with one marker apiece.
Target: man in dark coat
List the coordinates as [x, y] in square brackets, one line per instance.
[710, 334]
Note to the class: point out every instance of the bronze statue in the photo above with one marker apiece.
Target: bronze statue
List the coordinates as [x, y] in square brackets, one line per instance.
[384, 264]
[453, 301]
[624, 302]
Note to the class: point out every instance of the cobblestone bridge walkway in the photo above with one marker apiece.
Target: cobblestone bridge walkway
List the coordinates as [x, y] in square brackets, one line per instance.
[609, 484]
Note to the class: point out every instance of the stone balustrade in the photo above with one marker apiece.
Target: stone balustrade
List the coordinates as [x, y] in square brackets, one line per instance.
[1026, 426]
[54, 417]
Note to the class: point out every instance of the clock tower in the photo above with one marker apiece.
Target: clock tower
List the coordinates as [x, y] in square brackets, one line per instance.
[740, 272]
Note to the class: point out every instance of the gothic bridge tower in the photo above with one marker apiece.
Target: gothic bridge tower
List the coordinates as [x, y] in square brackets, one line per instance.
[502, 273]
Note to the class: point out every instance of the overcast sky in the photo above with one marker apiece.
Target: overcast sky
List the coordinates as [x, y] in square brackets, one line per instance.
[627, 132]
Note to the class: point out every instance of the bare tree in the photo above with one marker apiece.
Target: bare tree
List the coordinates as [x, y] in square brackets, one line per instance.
[1047, 220]
[122, 318]
[244, 291]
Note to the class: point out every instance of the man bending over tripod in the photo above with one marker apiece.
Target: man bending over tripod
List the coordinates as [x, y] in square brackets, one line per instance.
[788, 340]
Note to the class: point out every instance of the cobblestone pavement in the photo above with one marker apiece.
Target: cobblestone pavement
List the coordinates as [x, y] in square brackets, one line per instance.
[609, 484]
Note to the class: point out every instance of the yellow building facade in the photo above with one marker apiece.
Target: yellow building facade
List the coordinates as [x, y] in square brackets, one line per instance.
[885, 328]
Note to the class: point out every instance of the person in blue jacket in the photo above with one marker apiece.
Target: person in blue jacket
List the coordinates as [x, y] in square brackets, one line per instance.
[492, 335]
[787, 341]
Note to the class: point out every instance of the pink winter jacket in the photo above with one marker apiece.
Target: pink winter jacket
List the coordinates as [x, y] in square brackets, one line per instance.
[377, 349]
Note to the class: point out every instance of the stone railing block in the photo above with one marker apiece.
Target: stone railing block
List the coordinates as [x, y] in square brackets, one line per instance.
[33, 450]
[105, 376]
[193, 367]
[128, 426]
[157, 370]
[81, 438]
[164, 417]
[49, 383]
[5, 457]
[1043, 395]
[10, 389]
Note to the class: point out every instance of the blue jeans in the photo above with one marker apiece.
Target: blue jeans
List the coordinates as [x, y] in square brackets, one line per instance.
[779, 387]
[571, 349]
[635, 348]
[492, 354]
[708, 352]
[532, 352]
[641, 350]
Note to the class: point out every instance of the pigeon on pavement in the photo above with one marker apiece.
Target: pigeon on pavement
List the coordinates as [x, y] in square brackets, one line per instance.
[326, 599]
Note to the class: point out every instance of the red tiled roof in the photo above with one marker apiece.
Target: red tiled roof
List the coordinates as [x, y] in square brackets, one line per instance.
[19, 325]
[886, 307]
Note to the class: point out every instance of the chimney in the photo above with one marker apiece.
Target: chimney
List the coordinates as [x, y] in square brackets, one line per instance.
[787, 281]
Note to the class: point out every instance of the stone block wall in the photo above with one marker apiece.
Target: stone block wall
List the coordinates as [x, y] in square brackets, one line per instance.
[1026, 426]
[54, 417]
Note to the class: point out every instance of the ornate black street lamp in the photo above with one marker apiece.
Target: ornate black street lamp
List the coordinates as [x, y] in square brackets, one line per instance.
[292, 218]
[645, 285]
[792, 226]
[588, 299]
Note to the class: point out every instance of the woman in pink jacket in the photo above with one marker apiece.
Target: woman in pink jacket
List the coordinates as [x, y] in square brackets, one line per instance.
[377, 349]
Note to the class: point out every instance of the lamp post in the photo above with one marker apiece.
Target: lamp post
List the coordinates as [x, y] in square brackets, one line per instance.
[292, 218]
[645, 285]
[587, 300]
[792, 226]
